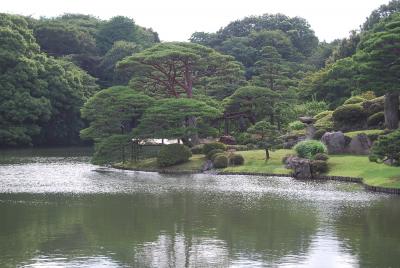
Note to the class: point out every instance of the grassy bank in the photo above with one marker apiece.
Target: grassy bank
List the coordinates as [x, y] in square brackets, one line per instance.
[359, 166]
[340, 165]
[194, 164]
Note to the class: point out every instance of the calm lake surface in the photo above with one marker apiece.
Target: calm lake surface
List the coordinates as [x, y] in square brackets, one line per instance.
[58, 210]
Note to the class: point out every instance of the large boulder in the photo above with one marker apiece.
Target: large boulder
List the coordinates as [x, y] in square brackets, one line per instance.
[301, 167]
[335, 142]
[360, 144]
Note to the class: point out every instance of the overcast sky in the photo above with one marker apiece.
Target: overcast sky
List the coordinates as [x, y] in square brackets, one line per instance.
[176, 20]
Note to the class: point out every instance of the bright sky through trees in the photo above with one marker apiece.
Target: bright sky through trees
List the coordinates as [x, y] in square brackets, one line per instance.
[176, 20]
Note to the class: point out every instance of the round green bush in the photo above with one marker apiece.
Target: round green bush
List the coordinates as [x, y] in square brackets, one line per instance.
[321, 156]
[309, 148]
[322, 114]
[325, 122]
[244, 138]
[197, 149]
[236, 160]
[220, 161]
[213, 145]
[355, 100]
[377, 119]
[173, 154]
[319, 166]
[297, 125]
[387, 147]
[374, 106]
[212, 152]
[349, 113]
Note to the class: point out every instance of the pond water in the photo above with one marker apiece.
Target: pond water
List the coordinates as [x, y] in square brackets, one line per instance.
[58, 210]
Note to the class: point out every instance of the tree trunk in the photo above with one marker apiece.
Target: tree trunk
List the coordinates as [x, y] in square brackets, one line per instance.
[194, 138]
[392, 110]
[266, 154]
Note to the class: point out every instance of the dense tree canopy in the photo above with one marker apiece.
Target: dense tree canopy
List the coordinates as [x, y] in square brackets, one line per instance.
[176, 69]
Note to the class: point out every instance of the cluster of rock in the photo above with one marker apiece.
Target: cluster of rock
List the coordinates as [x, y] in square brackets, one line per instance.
[338, 143]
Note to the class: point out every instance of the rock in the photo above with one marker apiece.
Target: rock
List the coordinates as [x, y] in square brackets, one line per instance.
[208, 165]
[291, 140]
[359, 144]
[310, 131]
[227, 140]
[307, 120]
[335, 142]
[301, 167]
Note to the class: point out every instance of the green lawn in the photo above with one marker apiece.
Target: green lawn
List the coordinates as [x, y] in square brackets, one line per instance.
[359, 166]
[194, 164]
[255, 162]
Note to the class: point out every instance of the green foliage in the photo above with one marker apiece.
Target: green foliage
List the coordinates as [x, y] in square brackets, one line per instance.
[197, 149]
[319, 166]
[212, 158]
[387, 147]
[171, 118]
[319, 133]
[173, 154]
[245, 138]
[193, 65]
[41, 96]
[111, 108]
[220, 161]
[213, 152]
[297, 125]
[355, 100]
[311, 108]
[350, 115]
[122, 28]
[212, 146]
[322, 114]
[309, 148]
[236, 160]
[110, 150]
[321, 157]
[377, 119]
[374, 106]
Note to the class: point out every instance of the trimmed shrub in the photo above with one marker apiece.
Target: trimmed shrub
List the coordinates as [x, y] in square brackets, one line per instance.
[350, 116]
[297, 125]
[325, 122]
[321, 157]
[354, 100]
[215, 155]
[374, 106]
[197, 149]
[377, 119]
[309, 148]
[212, 152]
[236, 160]
[319, 166]
[387, 147]
[213, 145]
[368, 95]
[322, 114]
[319, 133]
[173, 154]
[220, 161]
[349, 113]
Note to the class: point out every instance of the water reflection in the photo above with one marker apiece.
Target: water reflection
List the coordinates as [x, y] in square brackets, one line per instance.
[61, 212]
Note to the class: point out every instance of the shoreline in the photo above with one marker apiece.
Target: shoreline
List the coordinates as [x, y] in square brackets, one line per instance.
[357, 180]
